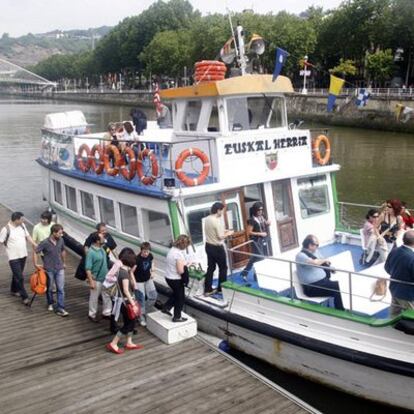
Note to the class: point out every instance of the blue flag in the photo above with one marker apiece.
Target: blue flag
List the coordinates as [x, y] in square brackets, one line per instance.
[362, 98]
[281, 56]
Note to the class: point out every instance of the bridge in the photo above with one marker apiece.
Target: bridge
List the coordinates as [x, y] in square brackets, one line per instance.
[14, 75]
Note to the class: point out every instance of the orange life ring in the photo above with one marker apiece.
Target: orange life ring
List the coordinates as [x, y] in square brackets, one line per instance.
[83, 165]
[147, 179]
[188, 181]
[128, 172]
[209, 70]
[316, 144]
[97, 164]
[204, 63]
[112, 149]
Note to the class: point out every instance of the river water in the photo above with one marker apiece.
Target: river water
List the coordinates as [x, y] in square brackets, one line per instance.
[376, 166]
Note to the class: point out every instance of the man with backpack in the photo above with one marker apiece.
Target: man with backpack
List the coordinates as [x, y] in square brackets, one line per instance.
[53, 250]
[14, 236]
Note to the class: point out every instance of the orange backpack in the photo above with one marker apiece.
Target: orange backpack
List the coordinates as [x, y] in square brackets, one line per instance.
[38, 282]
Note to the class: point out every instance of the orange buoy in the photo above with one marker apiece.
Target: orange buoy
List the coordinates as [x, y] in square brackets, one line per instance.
[209, 70]
[116, 156]
[147, 179]
[83, 164]
[97, 164]
[182, 176]
[128, 171]
[316, 149]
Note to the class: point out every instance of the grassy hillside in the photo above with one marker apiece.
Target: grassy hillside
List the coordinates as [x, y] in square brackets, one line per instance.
[30, 49]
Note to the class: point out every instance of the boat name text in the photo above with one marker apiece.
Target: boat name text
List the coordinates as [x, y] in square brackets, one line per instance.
[264, 145]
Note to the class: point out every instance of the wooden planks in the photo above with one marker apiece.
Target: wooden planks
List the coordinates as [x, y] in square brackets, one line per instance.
[59, 365]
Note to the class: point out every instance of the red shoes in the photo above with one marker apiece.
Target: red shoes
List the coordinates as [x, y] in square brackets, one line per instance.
[110, 348]
[135, 346]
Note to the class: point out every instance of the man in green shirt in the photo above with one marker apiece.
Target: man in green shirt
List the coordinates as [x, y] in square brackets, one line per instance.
[96, 267]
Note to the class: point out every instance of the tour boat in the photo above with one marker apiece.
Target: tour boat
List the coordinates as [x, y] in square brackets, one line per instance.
[231, 142]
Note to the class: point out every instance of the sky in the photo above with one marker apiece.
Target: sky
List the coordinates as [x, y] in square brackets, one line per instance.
[19, 17]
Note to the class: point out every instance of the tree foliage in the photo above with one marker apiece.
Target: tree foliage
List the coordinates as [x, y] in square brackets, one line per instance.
[345, 67]
[380, 65]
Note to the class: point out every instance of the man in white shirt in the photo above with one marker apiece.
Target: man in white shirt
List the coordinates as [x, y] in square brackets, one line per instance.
[14, 236]
[216, 254]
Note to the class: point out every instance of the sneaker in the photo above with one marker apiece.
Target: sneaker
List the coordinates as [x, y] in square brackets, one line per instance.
[210, 292]
[50, 308]
[179, 319]
[16, 294]
[26, 302]
[142, 321]
[62, 312]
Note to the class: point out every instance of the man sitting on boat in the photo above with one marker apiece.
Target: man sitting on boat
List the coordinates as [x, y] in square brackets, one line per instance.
[316, 280]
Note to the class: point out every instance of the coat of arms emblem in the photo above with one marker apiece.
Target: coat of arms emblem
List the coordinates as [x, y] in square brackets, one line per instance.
[271, 160]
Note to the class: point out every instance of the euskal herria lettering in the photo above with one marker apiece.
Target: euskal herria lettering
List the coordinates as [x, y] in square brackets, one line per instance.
[264, 145]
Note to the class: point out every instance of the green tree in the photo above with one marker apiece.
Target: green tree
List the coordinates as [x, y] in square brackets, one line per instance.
[380, 65]
[344, 68]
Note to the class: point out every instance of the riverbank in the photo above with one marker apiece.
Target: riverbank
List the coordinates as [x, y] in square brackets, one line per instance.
[379, 114]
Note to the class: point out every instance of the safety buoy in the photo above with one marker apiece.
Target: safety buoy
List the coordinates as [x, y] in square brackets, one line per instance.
[147, 179]
[316, 149]
[182, 176]
[112, 153]
[209, 70]
[83, 164]
[97, 164]
[128, 170]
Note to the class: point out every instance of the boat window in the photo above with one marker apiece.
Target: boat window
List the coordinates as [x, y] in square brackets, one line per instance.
[199, 200]
[57, 189]
[213, 122]
[88, 208]
[233, 217]
[71, 198]
[259, 112]
[195, 224]
[157, 227]
[313, 196]
[107, 211]
[129, 219]
[192, 115]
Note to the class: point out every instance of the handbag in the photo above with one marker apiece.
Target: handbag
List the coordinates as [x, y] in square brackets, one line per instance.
[380, 289]
[131, 307]
[80, 272]
[185, 277]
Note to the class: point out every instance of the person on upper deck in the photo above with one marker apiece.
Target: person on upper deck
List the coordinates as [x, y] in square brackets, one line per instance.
[406, 216]
[257, 229]
[375, 245]
[391, 222]
[400, 265]
[316, 280]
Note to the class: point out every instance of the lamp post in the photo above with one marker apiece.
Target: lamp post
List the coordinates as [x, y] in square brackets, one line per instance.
[305, 73]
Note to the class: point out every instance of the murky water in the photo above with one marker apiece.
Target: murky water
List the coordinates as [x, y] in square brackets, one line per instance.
[375, 166]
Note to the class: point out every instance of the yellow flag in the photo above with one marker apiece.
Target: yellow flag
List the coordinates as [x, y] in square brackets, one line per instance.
[398, 111]
[336, 85]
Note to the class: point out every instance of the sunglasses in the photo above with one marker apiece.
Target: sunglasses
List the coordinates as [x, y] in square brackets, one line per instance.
[316, 244]
[389, 206]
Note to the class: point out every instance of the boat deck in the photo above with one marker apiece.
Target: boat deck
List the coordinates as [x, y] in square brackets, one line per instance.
[59, 365]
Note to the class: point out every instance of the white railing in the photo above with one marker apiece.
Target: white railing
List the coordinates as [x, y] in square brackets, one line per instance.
[378, 92]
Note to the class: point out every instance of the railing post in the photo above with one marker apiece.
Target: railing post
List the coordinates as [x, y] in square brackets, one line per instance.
[291, 281]
[350, 290]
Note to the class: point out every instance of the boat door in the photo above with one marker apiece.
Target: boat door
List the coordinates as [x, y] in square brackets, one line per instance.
[235, 219]
[285, 215]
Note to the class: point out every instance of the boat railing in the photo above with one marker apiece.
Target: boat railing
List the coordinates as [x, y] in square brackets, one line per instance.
[351, 216]
[159, 163]
[357, 286]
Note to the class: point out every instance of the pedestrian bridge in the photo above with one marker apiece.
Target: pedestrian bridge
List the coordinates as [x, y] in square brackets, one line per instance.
[14, 75]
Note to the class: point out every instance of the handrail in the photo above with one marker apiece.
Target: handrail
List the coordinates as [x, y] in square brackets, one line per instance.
[292, 283]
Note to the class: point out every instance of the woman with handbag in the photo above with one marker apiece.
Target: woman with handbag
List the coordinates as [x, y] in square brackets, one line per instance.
[129, 306]
[176, 263]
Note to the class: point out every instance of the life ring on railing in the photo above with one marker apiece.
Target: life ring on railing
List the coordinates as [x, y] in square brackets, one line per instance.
[128, 171]
[116, 157]
[147, 179]
[316, 149]
[188, 181]
[97, 164]
[82, 164]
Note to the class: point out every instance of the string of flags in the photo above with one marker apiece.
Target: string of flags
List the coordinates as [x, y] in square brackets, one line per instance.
[403, 113]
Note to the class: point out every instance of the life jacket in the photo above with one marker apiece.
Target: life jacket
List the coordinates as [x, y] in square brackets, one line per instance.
[38, 282]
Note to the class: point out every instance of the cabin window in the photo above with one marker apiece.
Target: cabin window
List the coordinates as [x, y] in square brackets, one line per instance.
[57, 189]
[204, 199]
[88, 208]
[71, 203]
[192, 115]
[157, 227]
[107, 210]
[213, 122]
[129, 219]
[233, 217]
[255, 113]
[195, 224]
[313, 196]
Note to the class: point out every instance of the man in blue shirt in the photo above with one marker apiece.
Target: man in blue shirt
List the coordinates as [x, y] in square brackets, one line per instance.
[400, 265]
[315, 280]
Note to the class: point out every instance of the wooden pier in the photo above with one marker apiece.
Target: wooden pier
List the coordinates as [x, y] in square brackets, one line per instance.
[51, 364]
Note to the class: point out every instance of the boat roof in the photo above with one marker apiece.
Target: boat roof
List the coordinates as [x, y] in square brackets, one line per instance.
[239, 85]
